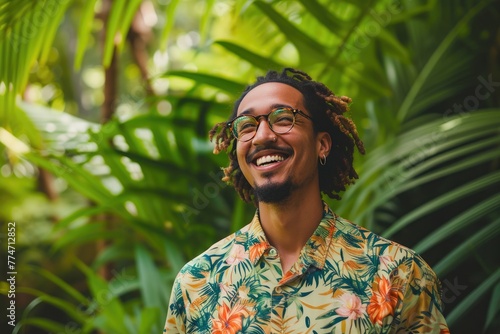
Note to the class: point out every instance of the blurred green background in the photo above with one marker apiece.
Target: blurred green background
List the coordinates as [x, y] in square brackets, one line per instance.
[107, 171]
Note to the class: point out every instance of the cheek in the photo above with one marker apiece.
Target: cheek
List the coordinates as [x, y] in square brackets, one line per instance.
[309, 156]
[241, 157]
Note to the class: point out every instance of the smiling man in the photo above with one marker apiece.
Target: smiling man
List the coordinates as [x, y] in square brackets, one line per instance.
[297, 267]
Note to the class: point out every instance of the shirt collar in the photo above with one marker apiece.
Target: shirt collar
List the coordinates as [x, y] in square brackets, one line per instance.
[314, 253]
[316, 248]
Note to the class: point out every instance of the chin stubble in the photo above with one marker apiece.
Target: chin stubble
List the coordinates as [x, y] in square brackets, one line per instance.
[273, 193]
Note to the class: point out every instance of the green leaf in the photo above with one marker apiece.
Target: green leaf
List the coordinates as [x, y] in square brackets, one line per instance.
[174, 256]
[53, 15]
[83, 234]
[465, 250]
[12, 11]
[472, 298]
[468, 189]
[149, 320]
[494, 308]
[324, 16]
[256, 60]
[227, 85]
[205, 19]
[401, 163]
[149, 277]
[112, 316]
[309, 49]
[79, 178]
[60, 283]
[112, 253]
[112, 34]
[393, 45]
[69, 308]
[412, 13]
[468, 217]
[25, 39]
[84, 31]
[49, 325]
[170, 19]
[126, 20]
[405, 108]
[84, 212]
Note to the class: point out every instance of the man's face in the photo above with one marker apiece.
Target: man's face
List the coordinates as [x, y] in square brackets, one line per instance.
[276, 168]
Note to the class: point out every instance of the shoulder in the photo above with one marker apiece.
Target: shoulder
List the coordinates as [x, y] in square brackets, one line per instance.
[394, 259]
[388, 254]
[370, 240]
[402, 290]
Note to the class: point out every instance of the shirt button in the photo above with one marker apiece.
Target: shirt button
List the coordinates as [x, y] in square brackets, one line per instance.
[273, 252]
[278, 289]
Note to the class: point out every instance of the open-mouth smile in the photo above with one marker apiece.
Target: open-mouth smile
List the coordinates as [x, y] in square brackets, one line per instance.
[268, 159]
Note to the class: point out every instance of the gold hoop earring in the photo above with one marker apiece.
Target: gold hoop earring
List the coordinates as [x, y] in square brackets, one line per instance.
[322, 160]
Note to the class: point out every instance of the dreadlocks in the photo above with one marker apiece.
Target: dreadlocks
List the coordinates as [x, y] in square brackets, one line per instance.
[327, 111]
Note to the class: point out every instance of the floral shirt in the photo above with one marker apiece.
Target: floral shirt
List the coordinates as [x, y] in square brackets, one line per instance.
[346, 280]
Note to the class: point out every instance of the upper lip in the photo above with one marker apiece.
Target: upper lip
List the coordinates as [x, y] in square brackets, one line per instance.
[257, 153]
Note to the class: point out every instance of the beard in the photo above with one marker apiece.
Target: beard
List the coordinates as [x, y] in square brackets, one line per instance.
[273, 193]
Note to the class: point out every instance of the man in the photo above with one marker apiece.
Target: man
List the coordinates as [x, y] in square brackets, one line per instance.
[298, 267]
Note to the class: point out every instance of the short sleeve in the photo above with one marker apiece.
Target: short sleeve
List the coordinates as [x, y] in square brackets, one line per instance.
[176, 314]
[421, 310]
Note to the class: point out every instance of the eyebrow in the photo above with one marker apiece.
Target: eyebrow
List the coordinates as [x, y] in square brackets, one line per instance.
[274, 106]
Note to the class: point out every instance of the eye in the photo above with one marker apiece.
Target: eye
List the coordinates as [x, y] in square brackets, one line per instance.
[281, 116]
[244, 124]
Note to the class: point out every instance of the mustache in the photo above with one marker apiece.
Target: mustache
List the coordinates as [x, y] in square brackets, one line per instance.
[285, 150]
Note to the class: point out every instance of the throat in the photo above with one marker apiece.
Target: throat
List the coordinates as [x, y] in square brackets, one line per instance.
[288, 227]
[288, 260]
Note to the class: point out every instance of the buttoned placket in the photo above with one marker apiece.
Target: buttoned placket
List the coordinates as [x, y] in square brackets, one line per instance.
[279, 295]
[280, 285]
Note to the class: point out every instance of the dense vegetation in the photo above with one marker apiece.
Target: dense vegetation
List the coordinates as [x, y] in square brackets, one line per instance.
[107, 171]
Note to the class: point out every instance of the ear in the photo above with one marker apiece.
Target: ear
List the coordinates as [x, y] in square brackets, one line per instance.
[324, 143]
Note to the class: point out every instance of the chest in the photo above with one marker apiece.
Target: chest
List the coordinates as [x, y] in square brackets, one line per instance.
[259, 299]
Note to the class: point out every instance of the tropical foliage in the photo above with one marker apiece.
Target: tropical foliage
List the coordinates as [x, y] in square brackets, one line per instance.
[108, 173]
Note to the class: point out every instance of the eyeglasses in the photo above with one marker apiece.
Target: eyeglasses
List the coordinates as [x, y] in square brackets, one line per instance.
[280, 120]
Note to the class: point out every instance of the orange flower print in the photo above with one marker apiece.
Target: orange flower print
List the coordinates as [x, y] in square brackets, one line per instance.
[444, 329]
[383, 301]
[237, 254]
[257, 250]
[229, 320]
[351, 306]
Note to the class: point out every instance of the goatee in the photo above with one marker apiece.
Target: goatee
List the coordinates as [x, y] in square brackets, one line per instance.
[273, 193]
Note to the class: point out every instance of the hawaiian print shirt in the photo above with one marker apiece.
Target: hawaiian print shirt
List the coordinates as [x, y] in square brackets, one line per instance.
[346, 280]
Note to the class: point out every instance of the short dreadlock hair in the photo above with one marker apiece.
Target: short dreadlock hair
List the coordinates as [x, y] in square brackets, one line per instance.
[327, 111]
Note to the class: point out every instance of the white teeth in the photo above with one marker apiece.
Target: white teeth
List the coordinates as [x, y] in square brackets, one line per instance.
[269, 158]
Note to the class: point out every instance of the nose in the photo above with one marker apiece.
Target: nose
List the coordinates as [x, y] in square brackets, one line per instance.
[263, 133]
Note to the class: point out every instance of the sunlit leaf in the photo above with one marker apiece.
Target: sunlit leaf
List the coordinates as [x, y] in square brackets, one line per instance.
[263, 62]
[230, 86]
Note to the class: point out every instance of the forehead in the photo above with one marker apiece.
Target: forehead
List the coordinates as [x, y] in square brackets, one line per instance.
[269, 95]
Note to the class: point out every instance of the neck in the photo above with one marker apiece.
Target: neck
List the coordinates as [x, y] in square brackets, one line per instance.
[289, 224]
